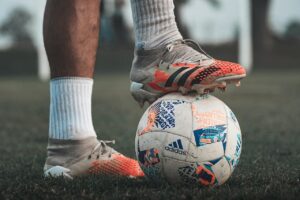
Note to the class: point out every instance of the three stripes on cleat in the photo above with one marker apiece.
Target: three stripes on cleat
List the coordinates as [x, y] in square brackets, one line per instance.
[197, 80]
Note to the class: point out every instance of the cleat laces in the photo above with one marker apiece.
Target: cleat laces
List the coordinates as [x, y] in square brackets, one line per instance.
[102, 148]
[187, 50]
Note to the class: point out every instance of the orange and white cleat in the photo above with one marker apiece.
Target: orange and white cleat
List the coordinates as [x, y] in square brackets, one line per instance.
[73, 158]
[180, 66]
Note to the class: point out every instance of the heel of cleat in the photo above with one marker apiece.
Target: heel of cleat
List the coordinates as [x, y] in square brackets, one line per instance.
[57, 171]
[141, 95]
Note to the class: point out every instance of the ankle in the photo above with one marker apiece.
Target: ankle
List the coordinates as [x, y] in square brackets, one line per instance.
[70, 108]
[62, 152]
[159, 41]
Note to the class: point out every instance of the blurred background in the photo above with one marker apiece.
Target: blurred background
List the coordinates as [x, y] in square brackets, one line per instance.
[262, 34]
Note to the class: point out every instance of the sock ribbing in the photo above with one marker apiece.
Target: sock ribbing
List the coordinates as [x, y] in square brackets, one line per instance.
[70, 108]
[154, 23]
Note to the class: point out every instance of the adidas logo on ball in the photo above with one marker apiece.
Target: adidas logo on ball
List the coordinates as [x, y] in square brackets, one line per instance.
[176, 147]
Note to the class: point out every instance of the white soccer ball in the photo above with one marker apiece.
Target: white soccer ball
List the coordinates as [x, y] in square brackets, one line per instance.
[191, 139]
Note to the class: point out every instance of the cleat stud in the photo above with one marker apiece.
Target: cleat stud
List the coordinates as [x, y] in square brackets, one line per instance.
[223, 83]
[151, 100]
[211, 90]
[238, 84]
[222, 89]
[148, 102]
[183, 90]
[200, 90]
[141, 103]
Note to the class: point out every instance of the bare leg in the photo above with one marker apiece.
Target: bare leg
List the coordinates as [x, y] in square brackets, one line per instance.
[71, 30]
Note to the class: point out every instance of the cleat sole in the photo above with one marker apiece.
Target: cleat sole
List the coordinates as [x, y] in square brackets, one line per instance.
[183, 90]
[142, 96]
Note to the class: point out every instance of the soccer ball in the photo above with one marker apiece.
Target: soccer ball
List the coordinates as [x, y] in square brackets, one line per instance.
[191, 139]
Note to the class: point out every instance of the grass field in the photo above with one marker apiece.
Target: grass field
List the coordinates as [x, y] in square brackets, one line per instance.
[267, 106]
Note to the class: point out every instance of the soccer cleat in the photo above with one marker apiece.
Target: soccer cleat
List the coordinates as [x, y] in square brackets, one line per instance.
[180, 66]
[74, 158]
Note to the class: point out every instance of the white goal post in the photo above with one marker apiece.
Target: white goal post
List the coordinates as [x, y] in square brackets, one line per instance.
[43, 65]
[245, 54]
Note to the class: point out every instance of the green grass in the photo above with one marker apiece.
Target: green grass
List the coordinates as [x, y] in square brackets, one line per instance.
[267, 106]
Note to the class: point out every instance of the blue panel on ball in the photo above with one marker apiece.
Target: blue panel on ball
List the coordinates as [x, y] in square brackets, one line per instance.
[210, 135]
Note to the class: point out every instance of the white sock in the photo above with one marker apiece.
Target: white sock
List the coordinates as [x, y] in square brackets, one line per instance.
[70, 108]
[154, 23]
